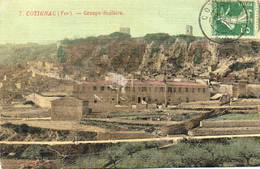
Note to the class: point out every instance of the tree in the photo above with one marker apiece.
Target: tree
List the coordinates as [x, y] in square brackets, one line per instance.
[113, 156]
[119, 35]
[197, 57]
[61, 55]
[244, 150]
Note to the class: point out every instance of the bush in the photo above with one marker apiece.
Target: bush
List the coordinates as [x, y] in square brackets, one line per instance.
[157, 37]
[240, 66]
[197, 59]
[244, 150]
[119, 35]
[239, 152]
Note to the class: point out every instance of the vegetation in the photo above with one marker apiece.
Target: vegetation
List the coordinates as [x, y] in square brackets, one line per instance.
[207, 153]
[13, 54]
[119, 36]
[187, 38]
[223, 153]
[157, 37]
[23, 128]
[247, 97]
[240, 66]
[61, 55]
[255, 46]
[197, 57]
[79, 40]
[238, 116]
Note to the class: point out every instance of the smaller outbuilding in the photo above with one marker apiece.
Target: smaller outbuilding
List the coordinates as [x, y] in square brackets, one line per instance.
[69, 109]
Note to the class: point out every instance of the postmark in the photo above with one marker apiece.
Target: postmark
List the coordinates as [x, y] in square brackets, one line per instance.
[223, 21]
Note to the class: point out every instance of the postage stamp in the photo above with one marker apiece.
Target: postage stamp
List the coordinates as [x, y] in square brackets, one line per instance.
[233, 18]
[229, 20]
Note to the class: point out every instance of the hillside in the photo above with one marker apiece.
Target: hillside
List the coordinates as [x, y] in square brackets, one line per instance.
[152, 55]
[20, 53]
[156, 54]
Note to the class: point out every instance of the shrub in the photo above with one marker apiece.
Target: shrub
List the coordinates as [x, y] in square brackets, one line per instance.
[157, 37]
[119, 35]
[244, 150]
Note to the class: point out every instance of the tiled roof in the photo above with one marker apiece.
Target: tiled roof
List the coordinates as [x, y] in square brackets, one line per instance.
[150, 82]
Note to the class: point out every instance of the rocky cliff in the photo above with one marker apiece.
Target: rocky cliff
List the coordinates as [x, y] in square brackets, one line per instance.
[152, 55]
[157, 54]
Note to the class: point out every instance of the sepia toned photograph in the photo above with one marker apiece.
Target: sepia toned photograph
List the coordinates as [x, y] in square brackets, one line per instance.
[93, 84]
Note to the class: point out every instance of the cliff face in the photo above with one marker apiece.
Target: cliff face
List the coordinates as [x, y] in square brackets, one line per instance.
[187, 56]
[154, 54]
[173, 56]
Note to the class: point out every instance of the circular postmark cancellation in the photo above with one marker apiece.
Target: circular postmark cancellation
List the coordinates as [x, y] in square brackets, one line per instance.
[226, 21]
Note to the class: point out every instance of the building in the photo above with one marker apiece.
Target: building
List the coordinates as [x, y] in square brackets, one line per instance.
[189, 30]
[141, 92]
[125, 30]
[68, 109]
[253, 74]
[243, 89]
[40, 100]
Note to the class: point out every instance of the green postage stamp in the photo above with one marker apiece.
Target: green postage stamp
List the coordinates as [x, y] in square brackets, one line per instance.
[233, 18]
[230, 19]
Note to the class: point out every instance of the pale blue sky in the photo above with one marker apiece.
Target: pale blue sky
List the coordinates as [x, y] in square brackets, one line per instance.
[142, 16]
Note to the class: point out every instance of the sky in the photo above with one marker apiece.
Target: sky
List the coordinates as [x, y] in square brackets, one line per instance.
[142, 16]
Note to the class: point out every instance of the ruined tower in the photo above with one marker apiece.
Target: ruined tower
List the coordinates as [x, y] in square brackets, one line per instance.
[189, 30]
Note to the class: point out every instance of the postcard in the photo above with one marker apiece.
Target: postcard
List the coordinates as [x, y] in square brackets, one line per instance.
[129, 84]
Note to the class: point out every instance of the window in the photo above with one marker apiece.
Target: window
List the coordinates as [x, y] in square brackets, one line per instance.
[187, 90]
[161, 89]
[179, 90]
[199, 90]
[174, 90]
[94, 88]
[193, 90]
[169, 89]
[204, 90]
[139, 89]
[187, 100]
[102, 88]
[108, 88]
[139, 99]
[144, 89]
[127, 89]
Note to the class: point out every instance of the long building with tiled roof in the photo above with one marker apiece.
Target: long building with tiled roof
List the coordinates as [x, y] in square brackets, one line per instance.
[141, 92]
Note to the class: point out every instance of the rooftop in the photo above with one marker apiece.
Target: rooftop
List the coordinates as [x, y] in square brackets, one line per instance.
[150, 82]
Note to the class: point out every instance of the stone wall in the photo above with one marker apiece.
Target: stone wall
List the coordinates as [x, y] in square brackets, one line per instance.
[253, 90]
[68, 109]
[43, 102]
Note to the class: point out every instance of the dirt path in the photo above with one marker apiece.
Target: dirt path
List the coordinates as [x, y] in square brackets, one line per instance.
[57, 125]
[173, 139]
[135, 122]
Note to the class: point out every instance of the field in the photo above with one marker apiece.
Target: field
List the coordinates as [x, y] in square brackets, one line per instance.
[208, 153]
[239, 116]
[36, 125]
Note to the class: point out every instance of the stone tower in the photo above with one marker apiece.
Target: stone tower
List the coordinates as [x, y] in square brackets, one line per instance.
[189, 30]
[125, 30]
